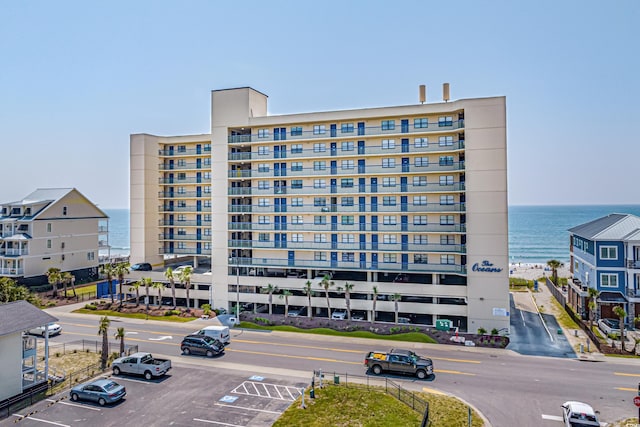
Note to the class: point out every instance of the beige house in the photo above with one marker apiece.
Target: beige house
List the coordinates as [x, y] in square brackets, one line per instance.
[51, 227]
[401, 204]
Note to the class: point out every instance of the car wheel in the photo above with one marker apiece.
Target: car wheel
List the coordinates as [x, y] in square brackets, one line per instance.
[102, 402]
[377, 369]
[209, 353]
[116, 371]
[186, 351]
[421, 374]
[147, 375]
[74, 397]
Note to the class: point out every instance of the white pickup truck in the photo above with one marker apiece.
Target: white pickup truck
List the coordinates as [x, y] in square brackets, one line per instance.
[141, 364]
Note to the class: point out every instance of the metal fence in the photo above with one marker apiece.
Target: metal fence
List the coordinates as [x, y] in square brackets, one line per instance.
[94, 346]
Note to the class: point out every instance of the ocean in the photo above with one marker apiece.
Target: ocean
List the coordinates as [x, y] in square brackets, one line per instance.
[536, 233]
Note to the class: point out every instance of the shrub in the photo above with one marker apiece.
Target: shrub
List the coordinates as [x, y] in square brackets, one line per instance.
[90, 307]
[482, 331]
[172, 313]
[206, 309]
[58, 354]
[494, 331]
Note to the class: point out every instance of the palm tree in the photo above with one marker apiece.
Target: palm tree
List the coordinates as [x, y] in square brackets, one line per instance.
[159, 286]
[308, 292]
[348, 287]
[121, 269]
[375, 300]
[326, 284]
[65, 278]
[107, 270]
[185, 278]
[147, 282]
[592, 305]
[53, 276]
[119, 335]
[286, 294]
[395, 298]
[169, 275]
[619, 311]
[270, 289]
[72, 280]
[103, 330]
[554, 264]
[136, 287]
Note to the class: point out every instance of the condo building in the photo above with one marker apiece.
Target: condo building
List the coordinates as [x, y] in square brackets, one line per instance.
[402, 208]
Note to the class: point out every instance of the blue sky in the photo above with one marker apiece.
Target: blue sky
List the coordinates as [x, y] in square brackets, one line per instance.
[77, 78]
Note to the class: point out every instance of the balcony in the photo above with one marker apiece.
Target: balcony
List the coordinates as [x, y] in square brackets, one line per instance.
[185, 166]
[633, 264]
[235, 191]
[177, 237]
[184, 194]
[239, 173]
[176, 223]
[16, 252]
[169, 208]
[180, 181]
[348, 246]
[184, 251]
[186, 152]
[316, 228]
[11, 271]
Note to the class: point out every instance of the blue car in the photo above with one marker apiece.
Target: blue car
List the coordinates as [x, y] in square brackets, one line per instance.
[100, 391]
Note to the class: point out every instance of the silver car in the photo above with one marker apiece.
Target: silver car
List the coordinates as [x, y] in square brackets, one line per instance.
[54, 329]
[101, 391]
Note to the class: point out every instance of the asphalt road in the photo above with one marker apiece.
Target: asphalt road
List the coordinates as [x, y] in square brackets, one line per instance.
[507, 387]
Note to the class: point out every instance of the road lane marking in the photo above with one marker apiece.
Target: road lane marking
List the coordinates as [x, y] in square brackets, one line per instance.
[38, 419]
[433, 391]
[552, 417]
[244, 408]
[624, 374]
[132, 380]
[216, 422]
[162, 338]
[73, 404]
[448, 359]
[93, 327]
[626, 389]
[442, 371]
[128, 339]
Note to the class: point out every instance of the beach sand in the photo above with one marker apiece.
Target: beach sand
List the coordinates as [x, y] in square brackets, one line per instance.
[535, 271]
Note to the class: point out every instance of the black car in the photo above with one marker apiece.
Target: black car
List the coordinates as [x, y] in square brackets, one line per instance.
[201, 344]
[141, 266]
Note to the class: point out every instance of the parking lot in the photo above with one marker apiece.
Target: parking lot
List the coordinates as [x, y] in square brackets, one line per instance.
[185, 397]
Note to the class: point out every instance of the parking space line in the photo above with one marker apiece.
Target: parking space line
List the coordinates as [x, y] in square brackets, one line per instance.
[133, 380]
[270, 391]
[248, 409]
[217, 422]
[38, 419]
[73, 404]
[279, 394]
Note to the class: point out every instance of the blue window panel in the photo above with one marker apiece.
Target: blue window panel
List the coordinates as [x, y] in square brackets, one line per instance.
[333, 130]
[374, 242]
[363, 242]
[405, 145]
[362, 187]
[363, 261]
[334, 259]
[374, 261]
[404, 126]
[291, 258]
[374, 223]
[374, 204]
[361, 147]
[360, 128]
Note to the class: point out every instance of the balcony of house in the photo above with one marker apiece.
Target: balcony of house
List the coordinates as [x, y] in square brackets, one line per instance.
[311, 227]
[102, 229]
[182, 194]
[184, 236]
[369, 190]
[633, 264]
[240, 173]
[179, 223]
[103, 244]
[173, 208]
[204, 149]
[184, 251]
[179, 181]
[235, 191]
[10, 271]
[15, 251]
[634, 293]
[323, 133]
[197, 165]
[347, 246]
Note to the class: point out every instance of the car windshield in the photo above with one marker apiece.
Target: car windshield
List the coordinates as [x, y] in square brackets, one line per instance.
[110, 386]
[209, 340]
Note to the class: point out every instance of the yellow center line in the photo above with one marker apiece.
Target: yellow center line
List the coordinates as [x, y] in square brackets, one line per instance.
[433, 391]
[626, 389]
[448, 359]
[454, 372]
[623, 374]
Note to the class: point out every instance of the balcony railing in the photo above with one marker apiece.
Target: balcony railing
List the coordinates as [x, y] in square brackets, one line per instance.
[184, 251]
[398, 130]
[310, 227]
[176, 195]
[16, 252]
[176, 223]
[234, 191]
[178, 181]
[167, 208]
[185, 166]
[348, 246]
[11, 271]
[368, 209]
[186, 152]
[178, 237]
[633, 263]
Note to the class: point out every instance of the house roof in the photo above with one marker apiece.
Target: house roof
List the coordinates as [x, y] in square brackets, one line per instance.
[611, 227]
[611, 297]
[45, 197]
[20, 316]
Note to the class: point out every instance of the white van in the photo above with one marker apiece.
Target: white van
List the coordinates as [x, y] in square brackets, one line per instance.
[221, 333]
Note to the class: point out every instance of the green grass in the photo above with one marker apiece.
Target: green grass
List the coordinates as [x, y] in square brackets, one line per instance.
[409, 336]
[82, 290]
[357, 405]
[112, 313]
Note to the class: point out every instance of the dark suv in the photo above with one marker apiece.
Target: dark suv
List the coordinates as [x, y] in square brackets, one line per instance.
[201, 344]
[142, 266]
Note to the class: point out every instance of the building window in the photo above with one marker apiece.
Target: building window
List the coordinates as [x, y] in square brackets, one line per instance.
[263, 219]
[446, 200]
[296, 166]
[263, 167]
[446, 179]
[347, 164]
[608, 280]
[347, 201]
[207, 217]
[319, 148]
[263, 133]
[182, 232]
[447, 239]
[263, 202]
[319, 183]
[446, 160]
[320, 238]
[263, 237]
[91, 256]
[347, 128]
[445, 121]
[446, 220]
[64, 210]
[419, 220]
[206, 203]
[347, 146]
[48, 244]
[319, 129]
[181, 203]
[319, 165]
[608, 252]
[319, 220]
[419, 200]
[421, 142]
[296, 201]
[389, 258]
[421, 161]
[346, 182]
[347, 219]
[319, 201]
[206, 246]
[182, 163]
[388, 124]
[182, 148]
[388, 144]
[348, 238]
[389, 200]
[420, 259]
[447, 259]
[298, 238]
[319, 256]
[182, 245]
[207, 189]
[207, 161]
[388, 163]
[348, 257]
[420, 123]
[389, 239]
[263, 151]
[207, 147]
[206, 176]
[420, 239]
[419, 181]
[296, 148]
[389, 182]
[182, 217]
[297, 219]
[296, 131]
[48, 227]
[181, 190]
[296, 183]
[263, 185]
[389, 220]
[446, 141]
